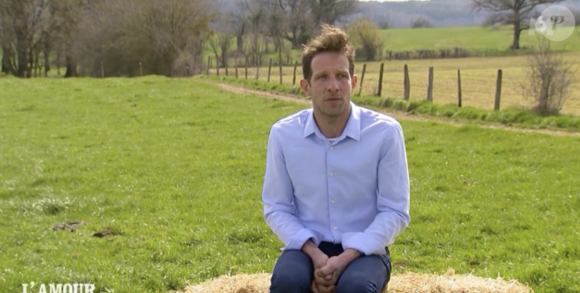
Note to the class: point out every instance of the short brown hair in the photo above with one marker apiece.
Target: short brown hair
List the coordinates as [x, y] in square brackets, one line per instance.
[331, 39]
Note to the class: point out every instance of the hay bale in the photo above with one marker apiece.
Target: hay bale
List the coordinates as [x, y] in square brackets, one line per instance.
[400, 283]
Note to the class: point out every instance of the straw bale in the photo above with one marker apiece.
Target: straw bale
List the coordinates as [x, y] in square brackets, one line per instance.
[407, 282]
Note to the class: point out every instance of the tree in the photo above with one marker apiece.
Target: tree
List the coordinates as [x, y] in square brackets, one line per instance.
[23, 22]
[119, 38]
[383, 23]
[420, 22]
[298, 18]
[238, 24]
[513, 12]
[365, 34]
[331, 11]
[65, 16]
[548, 79]
[256, 45]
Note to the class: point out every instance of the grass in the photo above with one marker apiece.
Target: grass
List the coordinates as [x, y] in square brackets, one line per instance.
[509, 116]
[477, 39]
[173, 167]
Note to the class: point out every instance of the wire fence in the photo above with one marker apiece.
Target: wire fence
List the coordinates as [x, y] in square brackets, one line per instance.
[490, 89]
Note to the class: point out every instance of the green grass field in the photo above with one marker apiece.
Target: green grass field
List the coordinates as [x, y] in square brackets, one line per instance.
[473, 38]
[173, 168]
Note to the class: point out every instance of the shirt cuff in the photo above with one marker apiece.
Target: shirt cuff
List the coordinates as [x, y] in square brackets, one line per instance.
[298, 240]
[362, 242]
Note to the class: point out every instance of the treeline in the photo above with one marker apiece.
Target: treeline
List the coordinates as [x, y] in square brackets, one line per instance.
[163, 37]
[260, 27]
[87, 36]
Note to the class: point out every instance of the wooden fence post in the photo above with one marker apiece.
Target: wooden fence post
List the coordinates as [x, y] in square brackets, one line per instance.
[208, 64]
[458, 88]
[280, 71]
[246, 67]
[362, 78]
[269, 69]
[294, 78]
[381, 79]
[406, 83]
[236, 66]
[498, 89]
[140, 68]
[430, 86]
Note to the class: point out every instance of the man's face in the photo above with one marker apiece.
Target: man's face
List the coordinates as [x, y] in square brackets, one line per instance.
[330, 86]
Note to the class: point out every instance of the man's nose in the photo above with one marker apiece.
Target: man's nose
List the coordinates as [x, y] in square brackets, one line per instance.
[333, 84]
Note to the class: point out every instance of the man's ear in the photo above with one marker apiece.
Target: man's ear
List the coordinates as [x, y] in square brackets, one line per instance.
[305, 85]
[353, 81]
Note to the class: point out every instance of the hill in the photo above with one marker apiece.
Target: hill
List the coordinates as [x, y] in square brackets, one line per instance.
[441, 13]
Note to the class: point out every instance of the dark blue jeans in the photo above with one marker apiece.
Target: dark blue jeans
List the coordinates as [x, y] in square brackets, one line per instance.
[294, 272]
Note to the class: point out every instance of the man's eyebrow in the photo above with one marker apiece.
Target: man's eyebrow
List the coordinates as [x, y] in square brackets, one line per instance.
[321, 73]
[325, 71]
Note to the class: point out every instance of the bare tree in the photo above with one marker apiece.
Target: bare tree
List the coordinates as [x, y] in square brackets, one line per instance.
[510, 12]
[256, 45]
[7, 39]
[239, 24]
[548, 79]
[221, 39]
[296, 20]
[300, 24]
[420, 22]
[23, 22]
[65, 16]
[331, 11]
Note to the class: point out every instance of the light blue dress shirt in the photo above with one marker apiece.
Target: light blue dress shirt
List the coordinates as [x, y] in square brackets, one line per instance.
[354, 191]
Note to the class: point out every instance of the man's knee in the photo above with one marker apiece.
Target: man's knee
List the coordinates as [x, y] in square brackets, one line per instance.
[365, 275]
[292, 273]
[358, 285]
[289, 282]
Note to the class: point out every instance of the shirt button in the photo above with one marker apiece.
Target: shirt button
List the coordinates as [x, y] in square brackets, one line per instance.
[330, 148]
[332, 201]
[334, 227]
[330, 174]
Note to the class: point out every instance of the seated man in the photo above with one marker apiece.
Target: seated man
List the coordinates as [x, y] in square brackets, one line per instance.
[336, 186]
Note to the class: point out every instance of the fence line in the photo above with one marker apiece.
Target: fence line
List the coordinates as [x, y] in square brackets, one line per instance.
[447, 86]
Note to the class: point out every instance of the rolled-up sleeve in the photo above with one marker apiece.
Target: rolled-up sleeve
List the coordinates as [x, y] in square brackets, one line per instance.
[277, 198]
[393, 199]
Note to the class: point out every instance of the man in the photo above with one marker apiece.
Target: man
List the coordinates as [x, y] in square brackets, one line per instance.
[336, 187]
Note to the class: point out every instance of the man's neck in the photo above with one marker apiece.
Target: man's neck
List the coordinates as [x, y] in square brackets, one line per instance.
[332, 127]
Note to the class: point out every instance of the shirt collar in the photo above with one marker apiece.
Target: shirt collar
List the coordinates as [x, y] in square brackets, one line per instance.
[352, 128]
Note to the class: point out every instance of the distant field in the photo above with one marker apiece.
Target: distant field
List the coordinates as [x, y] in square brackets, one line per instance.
[478, 80]
[475, 38]
[494, 41]
[174, 169]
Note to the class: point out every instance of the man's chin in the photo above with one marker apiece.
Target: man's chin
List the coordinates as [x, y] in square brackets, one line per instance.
[334, 111]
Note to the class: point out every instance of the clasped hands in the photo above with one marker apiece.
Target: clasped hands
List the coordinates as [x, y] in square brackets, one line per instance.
[328, 270]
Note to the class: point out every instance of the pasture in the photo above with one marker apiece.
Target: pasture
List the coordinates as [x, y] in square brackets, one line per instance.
[173, 168]
[478, 80]
[496, 40]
